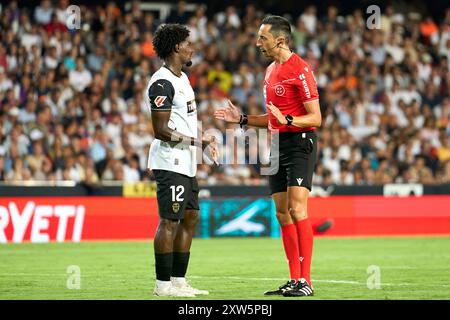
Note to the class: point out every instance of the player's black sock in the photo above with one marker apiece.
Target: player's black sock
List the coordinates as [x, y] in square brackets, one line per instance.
[180, 264]
[163, 265]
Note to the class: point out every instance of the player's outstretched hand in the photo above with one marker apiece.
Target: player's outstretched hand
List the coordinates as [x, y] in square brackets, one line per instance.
[213, 149]
[276, 113]
[228, 114]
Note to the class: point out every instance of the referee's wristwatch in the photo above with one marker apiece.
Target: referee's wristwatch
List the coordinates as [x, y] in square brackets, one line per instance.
[289, 119]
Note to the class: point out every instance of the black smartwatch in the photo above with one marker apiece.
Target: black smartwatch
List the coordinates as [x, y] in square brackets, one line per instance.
[289, 119]
[243, 120]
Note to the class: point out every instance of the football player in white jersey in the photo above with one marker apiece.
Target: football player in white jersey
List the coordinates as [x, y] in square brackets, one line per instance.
[172, 159]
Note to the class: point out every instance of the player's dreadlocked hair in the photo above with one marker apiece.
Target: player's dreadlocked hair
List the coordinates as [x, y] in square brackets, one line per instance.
[167, 36]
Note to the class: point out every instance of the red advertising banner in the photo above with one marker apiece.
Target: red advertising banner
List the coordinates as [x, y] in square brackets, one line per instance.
[74, 219]
[377, 215]
[44, 219]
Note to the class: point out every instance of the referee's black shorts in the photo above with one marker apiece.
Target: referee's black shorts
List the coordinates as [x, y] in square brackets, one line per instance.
[175, 193]
[293, 159]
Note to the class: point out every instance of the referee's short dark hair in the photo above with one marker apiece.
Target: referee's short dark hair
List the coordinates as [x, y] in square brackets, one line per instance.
[167, 36]
[279, 24]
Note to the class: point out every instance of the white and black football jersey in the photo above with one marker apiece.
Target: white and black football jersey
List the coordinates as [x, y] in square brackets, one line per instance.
[166, 92]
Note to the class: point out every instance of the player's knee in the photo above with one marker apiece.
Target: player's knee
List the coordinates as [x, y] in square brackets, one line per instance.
[298, 213]
[168, 226]
[191, 219]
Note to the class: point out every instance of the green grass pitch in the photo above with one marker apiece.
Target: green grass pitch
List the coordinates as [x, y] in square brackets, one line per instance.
[410, 268]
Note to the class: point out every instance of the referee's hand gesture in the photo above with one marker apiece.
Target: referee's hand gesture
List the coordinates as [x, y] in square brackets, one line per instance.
[228, 114]
[277, 113]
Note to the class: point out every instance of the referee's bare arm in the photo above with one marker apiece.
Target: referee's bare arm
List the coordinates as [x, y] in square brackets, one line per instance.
[232, 114]
[313, 118]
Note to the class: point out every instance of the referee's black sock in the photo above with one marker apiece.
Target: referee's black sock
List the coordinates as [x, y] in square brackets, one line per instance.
[180, 264]
[163, 265]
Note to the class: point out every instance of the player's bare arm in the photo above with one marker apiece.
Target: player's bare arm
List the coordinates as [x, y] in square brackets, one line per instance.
[313, 118]
[232, 114]
[160, 121]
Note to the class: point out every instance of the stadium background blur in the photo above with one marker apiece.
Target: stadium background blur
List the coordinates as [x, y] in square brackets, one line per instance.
[72, 107]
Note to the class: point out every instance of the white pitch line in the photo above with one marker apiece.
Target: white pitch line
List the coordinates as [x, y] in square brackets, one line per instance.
[269, 279]
[319, 280]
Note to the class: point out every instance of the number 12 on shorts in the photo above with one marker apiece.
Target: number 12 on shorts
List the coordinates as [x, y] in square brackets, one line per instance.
[177, 192]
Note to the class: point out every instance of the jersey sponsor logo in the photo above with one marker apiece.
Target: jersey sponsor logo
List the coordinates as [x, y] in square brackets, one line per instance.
[191, 106]
[159, 101]
[305, 85]
[279, 90]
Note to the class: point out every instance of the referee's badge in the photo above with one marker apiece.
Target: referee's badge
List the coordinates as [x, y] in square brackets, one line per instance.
[175, 207]
[279, 90]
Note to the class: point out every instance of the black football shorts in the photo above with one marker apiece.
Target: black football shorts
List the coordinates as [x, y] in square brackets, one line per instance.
[175, 193]
[293, 158]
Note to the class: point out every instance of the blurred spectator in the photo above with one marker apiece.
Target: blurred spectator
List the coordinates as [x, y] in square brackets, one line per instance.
[309, 19]
[180, 15]
[80, 78]
[55, 25]
[43, 12]
[131, 171]
[36, 160]
[2, 168]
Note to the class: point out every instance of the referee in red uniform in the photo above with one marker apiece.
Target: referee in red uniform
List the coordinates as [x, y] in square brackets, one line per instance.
[293, 116]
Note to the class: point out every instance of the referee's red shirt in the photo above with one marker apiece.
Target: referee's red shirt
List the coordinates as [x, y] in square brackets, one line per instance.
[288, 86]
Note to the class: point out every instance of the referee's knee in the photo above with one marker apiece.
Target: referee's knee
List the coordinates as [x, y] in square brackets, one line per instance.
[283, 218]
[298, 214]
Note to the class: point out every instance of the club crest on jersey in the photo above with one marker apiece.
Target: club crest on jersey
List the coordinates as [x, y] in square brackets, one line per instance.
[159, 101]
[279, 90]
[175, 207]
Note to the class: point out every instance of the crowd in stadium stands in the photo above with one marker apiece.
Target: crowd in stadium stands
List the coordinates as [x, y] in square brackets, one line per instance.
[72, 101]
